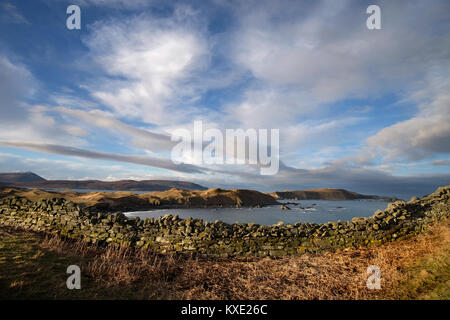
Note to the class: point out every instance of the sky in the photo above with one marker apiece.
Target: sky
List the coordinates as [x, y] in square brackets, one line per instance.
[360, 109]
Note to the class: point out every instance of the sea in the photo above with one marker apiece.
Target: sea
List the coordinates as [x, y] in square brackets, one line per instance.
[306, 211]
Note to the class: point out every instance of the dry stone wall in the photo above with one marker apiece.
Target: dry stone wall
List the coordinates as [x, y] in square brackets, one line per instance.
[172, 234]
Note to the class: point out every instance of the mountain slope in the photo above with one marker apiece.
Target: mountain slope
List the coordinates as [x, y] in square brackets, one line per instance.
[20, 177]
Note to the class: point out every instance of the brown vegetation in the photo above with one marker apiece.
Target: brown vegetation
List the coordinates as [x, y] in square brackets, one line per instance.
[123, 200]
[415, 268]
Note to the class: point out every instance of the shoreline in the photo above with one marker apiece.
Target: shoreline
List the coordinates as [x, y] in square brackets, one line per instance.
[172, 234]
[171, 199]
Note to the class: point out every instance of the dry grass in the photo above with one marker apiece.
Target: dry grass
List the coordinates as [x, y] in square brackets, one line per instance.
[339, 275]
[121, 271]
[411, 269]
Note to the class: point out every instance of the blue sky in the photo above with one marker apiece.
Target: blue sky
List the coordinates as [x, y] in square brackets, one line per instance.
[366, 110]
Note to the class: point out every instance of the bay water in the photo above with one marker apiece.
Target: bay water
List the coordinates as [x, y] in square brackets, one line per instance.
[312, 211]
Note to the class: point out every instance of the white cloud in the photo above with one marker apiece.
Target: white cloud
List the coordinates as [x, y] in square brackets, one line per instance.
[413, 139]
[316, 133]
[37, 126]
[75, 130]
[149, 63]
[99, 155]
[269, 107]
[22, 121]
[307, 55]
[16, 84]
[301, 56]
[300, 119]
[139, 137]
[325, 48]
[70, 100]
[425, 135]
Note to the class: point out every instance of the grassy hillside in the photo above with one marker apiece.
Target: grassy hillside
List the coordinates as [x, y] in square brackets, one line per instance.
[171, 198]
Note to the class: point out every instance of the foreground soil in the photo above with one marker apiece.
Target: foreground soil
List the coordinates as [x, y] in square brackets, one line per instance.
[33, 266]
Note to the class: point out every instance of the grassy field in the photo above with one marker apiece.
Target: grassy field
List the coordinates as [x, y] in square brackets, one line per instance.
[33, 266]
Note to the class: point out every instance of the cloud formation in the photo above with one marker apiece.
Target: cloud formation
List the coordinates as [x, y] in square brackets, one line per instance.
[91, 154]
[16, 84]
[324, 47]
[141, 138]
[425, 135]
[356, 108]
[148, 64]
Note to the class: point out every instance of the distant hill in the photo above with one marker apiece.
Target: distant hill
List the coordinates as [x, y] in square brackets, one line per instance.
[31, 180]
[173, 198]
[13, 177]
[324, 194]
